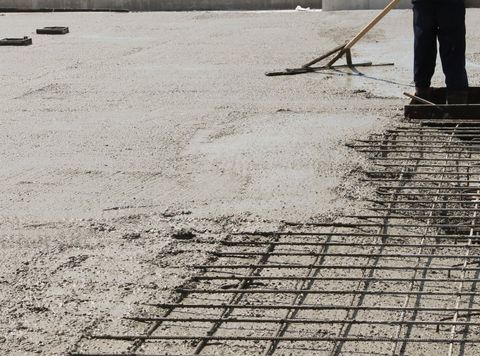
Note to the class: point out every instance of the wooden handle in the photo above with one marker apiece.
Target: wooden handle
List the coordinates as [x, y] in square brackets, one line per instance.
[376, 20]
[420, 100]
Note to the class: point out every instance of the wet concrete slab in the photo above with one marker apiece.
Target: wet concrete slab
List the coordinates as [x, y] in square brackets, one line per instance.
[136, 124]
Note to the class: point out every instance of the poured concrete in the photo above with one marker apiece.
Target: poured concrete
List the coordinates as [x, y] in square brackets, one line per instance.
[137, 124]
[331, 5]
[162, 5]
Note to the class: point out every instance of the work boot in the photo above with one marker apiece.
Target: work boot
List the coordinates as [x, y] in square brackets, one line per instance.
[424, 93]
[457, 97]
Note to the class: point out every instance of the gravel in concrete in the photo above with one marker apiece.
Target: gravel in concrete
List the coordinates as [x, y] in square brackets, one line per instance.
[135, 125]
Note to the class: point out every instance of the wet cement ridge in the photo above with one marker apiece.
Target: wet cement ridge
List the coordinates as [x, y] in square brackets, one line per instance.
[401, 276]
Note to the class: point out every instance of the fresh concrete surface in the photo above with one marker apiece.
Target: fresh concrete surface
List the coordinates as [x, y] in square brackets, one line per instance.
[162, 5]
[137, 124]
[150, 108]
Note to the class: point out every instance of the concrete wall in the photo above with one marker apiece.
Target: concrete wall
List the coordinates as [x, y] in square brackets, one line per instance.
[162, 5]
[330, 5]
[185, 5]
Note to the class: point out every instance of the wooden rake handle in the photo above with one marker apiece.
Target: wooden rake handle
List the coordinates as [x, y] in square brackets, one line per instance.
[346, 47]
[376, 20]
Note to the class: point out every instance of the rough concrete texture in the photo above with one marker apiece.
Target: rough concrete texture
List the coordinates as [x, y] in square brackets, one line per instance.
[162, 5]
[136, 125]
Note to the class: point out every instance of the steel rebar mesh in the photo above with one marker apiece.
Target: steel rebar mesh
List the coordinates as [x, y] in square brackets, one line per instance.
[400, 279]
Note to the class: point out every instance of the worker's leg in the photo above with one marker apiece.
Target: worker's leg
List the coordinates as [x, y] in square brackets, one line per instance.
[425, 30]
[451, 35]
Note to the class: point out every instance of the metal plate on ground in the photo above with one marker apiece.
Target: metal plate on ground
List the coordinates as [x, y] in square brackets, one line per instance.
[442, 110]
[57, 30]
[25, 41]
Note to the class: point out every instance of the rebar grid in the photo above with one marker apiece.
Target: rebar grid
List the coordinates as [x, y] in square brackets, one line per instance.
[401, 280]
